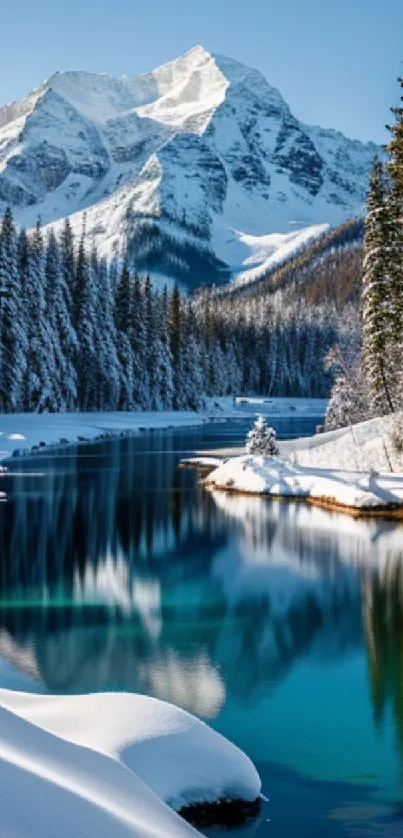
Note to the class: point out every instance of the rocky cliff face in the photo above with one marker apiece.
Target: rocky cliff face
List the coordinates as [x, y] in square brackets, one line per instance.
[198, 166]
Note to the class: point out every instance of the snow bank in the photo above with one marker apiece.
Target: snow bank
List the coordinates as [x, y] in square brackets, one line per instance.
[272, 476]
[22, 432]
[365, 446]
[108, 764]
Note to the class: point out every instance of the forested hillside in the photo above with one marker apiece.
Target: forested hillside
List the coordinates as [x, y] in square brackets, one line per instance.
[79, 333]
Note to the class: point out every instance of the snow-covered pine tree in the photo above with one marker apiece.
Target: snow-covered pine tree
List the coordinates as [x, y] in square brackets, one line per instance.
[164, 374]
[85, 318]
[376, 296]
[233, 368]
[138, 340]
[108, 378]
[40, 391]
[175, 339]
[13, 340]
[65, 339]
[123, 322]
[68, 266]
[191, 374]
[261, 439]
[152, 347]
[395, 201]
[395, 147]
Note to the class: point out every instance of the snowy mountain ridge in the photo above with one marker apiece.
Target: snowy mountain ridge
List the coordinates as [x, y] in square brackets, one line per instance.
[199, 166]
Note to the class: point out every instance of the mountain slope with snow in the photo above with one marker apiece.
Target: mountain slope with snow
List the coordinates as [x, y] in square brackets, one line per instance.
[194, 166]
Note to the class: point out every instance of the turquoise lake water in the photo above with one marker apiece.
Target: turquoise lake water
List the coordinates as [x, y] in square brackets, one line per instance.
[279, 624]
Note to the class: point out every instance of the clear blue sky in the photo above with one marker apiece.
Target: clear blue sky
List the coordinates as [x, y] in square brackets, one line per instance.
[335, 61]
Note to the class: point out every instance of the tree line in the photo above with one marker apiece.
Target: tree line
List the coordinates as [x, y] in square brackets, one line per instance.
[79, 333]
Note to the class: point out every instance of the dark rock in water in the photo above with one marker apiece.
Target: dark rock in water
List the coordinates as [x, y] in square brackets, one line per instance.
[225, 813]
[82, 438]
[63, 441]
[16, 452]
[42, 445]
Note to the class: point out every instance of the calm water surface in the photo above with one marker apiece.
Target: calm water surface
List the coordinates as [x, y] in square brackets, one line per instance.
[280, 624]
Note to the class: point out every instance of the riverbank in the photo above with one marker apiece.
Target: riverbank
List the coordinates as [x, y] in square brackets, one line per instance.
[358, 469]
[23, 433]
[359, 493]
[371, 445]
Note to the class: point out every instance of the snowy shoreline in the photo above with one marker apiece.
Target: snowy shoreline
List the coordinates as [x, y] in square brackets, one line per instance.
[359, 493]
[25, 433]
[358, 470]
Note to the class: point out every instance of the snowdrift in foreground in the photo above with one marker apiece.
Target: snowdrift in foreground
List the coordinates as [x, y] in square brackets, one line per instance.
[272, 476]
[107, 765]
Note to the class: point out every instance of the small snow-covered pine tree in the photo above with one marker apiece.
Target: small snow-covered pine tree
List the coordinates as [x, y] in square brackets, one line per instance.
[262, 439]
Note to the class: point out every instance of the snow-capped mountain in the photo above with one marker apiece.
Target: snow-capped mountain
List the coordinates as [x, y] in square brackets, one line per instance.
[199, 166]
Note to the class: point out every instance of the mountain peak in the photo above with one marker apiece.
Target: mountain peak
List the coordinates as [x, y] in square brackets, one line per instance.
[199, 162]
[198, 51]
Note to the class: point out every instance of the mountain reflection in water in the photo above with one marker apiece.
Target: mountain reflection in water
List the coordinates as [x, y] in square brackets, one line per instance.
[118, 571]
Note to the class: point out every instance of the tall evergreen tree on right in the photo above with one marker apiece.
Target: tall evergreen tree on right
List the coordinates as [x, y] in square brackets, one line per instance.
[395, 168]
[382, 297]
[376, 295]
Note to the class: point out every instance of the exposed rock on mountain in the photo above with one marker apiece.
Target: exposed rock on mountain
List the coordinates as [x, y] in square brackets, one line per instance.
[198, 166]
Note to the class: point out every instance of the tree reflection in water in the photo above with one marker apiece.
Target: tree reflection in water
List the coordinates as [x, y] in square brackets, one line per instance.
[118, 571]
[383, 623]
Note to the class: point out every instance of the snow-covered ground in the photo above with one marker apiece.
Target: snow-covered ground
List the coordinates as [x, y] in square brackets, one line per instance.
[369, 445]
[23, 431]
[272, 476]
[110, 765]
[360, 467]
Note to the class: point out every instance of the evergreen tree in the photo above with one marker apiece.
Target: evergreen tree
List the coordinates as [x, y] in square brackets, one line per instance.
[68, 267]
[108, 379]
[138, 341]
[64, 336]
[13, 340]
[164, 372]
[152, 345]
[175, 340]
[123, 322]
[40, 391]
[376, 298]
[85, 313]
[261, 439]
[395, 148]
[395, 245]
[190, 364]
